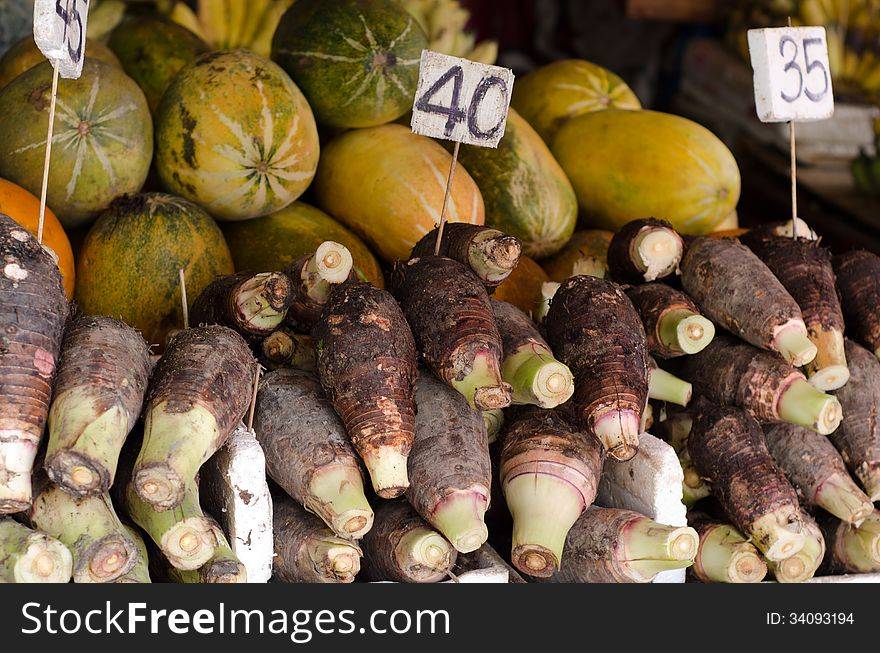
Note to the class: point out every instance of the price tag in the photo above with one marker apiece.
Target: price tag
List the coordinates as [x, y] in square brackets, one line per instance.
[792, 74]
[60, 33]
[461, 100]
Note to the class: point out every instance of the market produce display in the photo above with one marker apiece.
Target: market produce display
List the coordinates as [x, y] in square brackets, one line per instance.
[485, 406]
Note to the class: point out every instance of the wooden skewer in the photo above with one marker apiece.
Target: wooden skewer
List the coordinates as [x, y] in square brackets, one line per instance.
[449, 181]
[183, 299]
[257, 373]
[49, 137]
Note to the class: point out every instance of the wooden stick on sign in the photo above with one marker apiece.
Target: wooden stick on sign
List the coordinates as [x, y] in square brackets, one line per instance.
[253, 407]
[183, 299]
[793, 152]
[50, 135]
[449, 179]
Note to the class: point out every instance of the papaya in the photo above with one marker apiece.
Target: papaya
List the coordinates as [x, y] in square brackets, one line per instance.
[235, 135]
[562, 90]
[357, 61]
[585, 253]
[24, 208]
[387, 185]
[626, 165]
[152, 51]
[25, 54]
[523, 287]
[526, 193]
[129, 264]
[103, 140]
[273, 242]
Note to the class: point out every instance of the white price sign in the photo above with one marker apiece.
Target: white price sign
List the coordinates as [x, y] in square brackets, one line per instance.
[461, 100]
[60, 33]
[792, 74]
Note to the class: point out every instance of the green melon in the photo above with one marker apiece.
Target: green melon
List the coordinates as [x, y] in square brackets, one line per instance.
[275, 241]
[103, 140]
[235, 135]
[525, 191]
[357, 61]
[152, 51]
[129, 264]
[25, 54]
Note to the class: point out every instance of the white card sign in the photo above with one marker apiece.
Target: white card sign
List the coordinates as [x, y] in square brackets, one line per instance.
[461, 100]
[60, 33]
[792, 74]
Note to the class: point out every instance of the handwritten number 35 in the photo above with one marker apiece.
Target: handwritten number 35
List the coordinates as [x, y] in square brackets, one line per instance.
[793, 66]
[69, 18]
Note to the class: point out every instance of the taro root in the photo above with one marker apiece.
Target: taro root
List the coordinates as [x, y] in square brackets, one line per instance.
[596, 331]
[33, 311]
[736, 290]
[367, 365]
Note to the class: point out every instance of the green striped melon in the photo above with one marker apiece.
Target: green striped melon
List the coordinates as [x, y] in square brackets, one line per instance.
[275, 241]
[235, 135]
[103, 140]
[129, 264]
[153, 51]
[357, 61]
[525, 192]
[626, 165]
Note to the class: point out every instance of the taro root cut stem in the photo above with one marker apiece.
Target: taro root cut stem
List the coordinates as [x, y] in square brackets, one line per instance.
[658, 251]
[536, 377]
[459, 516]
[28, 556]
[493, 255]
[544, 508]
[685, 331]
[664, 386]
[645, 539]
[802, 565]
[726, 557]
[840, 496]
[184, 534]
[800, 403]
[775, 537]
[261, 302]
[101, 547]
[332, 262]
[423, 548]
[342, 503]
[792, 342]
[484, 386]
[387, 468]
[618, 431]
[829, 370]
[339, 559]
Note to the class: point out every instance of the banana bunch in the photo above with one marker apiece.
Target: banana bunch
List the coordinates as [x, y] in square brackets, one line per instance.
[227, 24]
[852, 29]
[445, 22]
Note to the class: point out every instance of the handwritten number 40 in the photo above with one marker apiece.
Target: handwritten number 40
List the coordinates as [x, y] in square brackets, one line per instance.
[74, 46]
[454, 112]
[787, 43]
